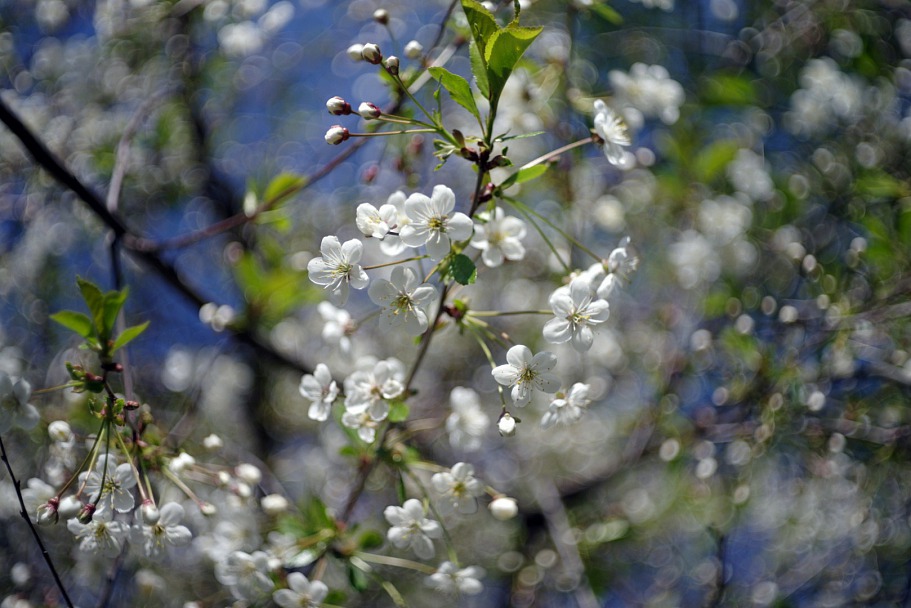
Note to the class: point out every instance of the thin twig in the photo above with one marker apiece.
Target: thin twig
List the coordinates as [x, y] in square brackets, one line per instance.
[22, 511]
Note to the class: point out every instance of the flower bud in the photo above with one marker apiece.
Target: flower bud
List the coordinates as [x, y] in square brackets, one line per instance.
[150, 513]
[381, 16]
[48, 513]
[392, 65]
[69, 507]
[372, 54]
[274, 504]
[248, 473]
[414, 50]
[355, 52]
[213, 442]
[207, 508]
[85, 515]
[369, 111]
[60, 431]
[504, 508]
[338, 106]
[506, 425]
[336, 135]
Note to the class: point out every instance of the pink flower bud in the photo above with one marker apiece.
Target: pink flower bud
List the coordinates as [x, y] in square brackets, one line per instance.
[369, 111]
[336, 135]
[338, 106]
[372, 54]
[392, 65]
[150, 513]
[48, 512]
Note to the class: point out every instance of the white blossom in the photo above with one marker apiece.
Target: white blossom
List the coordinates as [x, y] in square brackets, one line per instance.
[499, 238]
[338, 268]
[526, 373]
[245, 575]
[392, 244]
[405, 302]
[112, 483]
[320, 389]
[337, 325]
[566, 409]
[468, 422]
[411, 529]
[612, 130]
[363, 423]
[647, 91]
[301, 592]
[102, 535]
[366, 390]
[167, 531]
[452, 580]
[15, 410]
[575, 313]
[433, 224]
[375, 222]
[459, 488]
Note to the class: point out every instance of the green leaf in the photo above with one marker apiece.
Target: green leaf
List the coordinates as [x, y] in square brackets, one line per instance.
[482, 23]
[728, 90]
[503, 52]
[128, 335]
[370, 539]
[400, 489]
[282, 188]
[113, 302]
[458, 89]
[398, 411]
[94, 299]
[75, 321]
[525, 175]
[463, 269]
[712, 160]
[607, 13]
[879, 184]
[479, 69]
[357, 578]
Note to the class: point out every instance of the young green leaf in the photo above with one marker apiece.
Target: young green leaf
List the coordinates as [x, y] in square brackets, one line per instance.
[463, 269]
[113, 302]
[503, 51]
[479, 69]
[128, 335]
[75, 321]
[283, 187]
[94, 299]
[458, 89]
[398, 411]
[524, 175]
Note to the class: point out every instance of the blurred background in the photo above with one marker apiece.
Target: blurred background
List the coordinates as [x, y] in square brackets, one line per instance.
[748, 439]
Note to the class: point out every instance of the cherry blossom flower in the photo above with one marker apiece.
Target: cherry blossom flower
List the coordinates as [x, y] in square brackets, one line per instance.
[367, 389]
[337, 325]
[566, 409]
[338, 268]
[411, 529]
[301, 593]
[102, 535]
[375, 222]
[433, 224]
[468, 422]
[404, 300]
[321, 390]
[611, 129]
[452, 580]
[499, 238]
[575, 312]
[167, 531]
[526, 373]
[363, 423]
[245, 575]
[459, 487]
[15, 410]
[109, 485]
[392, 244]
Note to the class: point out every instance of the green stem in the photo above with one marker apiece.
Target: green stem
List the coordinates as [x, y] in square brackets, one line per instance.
[506, 313]
[398, 562]
[519, 206]
[396, 262]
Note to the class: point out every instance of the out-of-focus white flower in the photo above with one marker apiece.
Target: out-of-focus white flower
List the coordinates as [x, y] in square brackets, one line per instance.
[452, 580]
[696, 260]
[15, 410]
[404, 302]
[433, 224]
[245, 575]
[355, 52]
[647, 91]
[575, 313]
[468, 422]
[459, 487]
[499, 238]
[411, 529]
[749, 173]
[338, 268]
[504, 508]
[526, 373]
[566, 409]
[301, 592]
[414, 49]
[366, 390]
[337, 325]
[320, 389]
[274, 504]
[363, 423]
[167, 531]
[611, 129]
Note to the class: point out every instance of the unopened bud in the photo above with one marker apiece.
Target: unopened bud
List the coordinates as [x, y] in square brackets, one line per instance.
[274, 504]
[336, 135]
[369, 111]
[392, 65]
[372, 54]
[413, 50]
[213, 442]
[69, 507]
[150, 513]
[355, 52]
[486, 193]
[131, 405]
[85, 515]
[381, 16]
[249, 473]
[338, 106]
[48, 513]
[207, 508]
[504, 508]
[506, 425]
